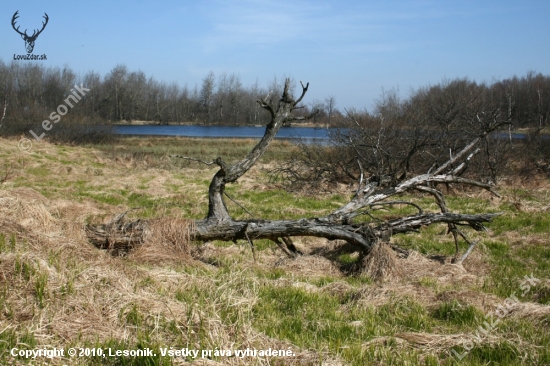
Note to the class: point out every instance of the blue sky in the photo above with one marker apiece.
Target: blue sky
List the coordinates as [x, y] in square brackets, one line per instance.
[349, 49]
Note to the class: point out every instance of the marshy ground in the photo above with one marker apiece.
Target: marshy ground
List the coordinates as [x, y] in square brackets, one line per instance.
[57, 290]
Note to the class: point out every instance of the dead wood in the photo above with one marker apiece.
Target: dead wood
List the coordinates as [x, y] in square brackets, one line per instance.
[340, 224]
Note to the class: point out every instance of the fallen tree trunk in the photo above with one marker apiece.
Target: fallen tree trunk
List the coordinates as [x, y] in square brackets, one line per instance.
[362, 235]
[340, 224]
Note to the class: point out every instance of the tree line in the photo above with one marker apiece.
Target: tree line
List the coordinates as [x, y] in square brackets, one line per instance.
[29, 92]
[404, 136]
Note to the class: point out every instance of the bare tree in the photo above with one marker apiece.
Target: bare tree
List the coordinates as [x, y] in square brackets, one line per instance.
[253, 109]
[4, 110]
[206, 95]
[136, 85]
[340, 224]
[91, 103]
[318, 105]
[7, 78]
[330, 103]
[116, 88]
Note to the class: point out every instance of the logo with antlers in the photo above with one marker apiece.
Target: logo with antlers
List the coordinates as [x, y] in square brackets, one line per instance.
[29, 40]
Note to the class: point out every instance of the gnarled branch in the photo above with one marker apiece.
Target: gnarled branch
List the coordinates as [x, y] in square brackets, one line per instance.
[219, 225]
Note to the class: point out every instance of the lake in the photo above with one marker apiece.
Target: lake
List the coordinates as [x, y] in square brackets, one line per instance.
[310, 134]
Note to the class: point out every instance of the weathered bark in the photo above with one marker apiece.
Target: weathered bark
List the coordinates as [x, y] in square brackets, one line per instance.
[219, 225]
[363, 235]
[117, 236]
[217, 211]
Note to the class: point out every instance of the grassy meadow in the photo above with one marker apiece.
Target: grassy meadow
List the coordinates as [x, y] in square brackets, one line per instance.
[57, 290]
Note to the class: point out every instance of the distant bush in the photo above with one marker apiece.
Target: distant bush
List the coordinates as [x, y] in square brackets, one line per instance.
[415, 135]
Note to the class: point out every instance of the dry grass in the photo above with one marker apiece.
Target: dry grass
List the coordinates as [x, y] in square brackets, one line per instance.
[167, 243]
[380, 264]
[89, 297]
[56, 286]
[309, 266]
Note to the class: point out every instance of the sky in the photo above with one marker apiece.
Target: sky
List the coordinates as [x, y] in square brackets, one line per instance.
[349, 49]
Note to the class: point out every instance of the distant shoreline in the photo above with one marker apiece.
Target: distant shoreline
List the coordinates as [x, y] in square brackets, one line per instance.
[155, 123]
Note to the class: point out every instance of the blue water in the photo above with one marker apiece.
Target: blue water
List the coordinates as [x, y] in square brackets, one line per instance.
[518, 136]
[306, 133]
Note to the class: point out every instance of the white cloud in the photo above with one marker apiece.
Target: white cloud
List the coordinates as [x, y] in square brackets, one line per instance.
[331, 26]
[258, 23]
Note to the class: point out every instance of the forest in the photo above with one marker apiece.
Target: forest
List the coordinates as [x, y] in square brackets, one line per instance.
[29, 92]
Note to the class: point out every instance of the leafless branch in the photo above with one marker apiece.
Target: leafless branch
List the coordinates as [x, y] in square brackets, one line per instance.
[464, 164]
[238, 204]
[265, 105]
[193, 159]
[371, 194]
[420, 211]
[301, 118]
[252, 248]
[283, 247]
[361, 177]
[471, 246]
[304, 91]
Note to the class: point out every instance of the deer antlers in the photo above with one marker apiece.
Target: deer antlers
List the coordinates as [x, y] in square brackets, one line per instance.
[29, 40]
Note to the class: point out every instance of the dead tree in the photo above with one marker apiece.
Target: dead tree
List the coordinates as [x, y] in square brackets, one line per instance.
[4, 112]
[340, 224]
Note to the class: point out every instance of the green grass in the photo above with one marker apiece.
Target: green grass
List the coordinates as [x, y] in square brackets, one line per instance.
[347, 259]
[278, 204]
[14, 338]
[156, 150]
[41, 289]
[7, 243]
[504, 353]
[247, 302]
[296, 315]
[40, 171]
[458, 314]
